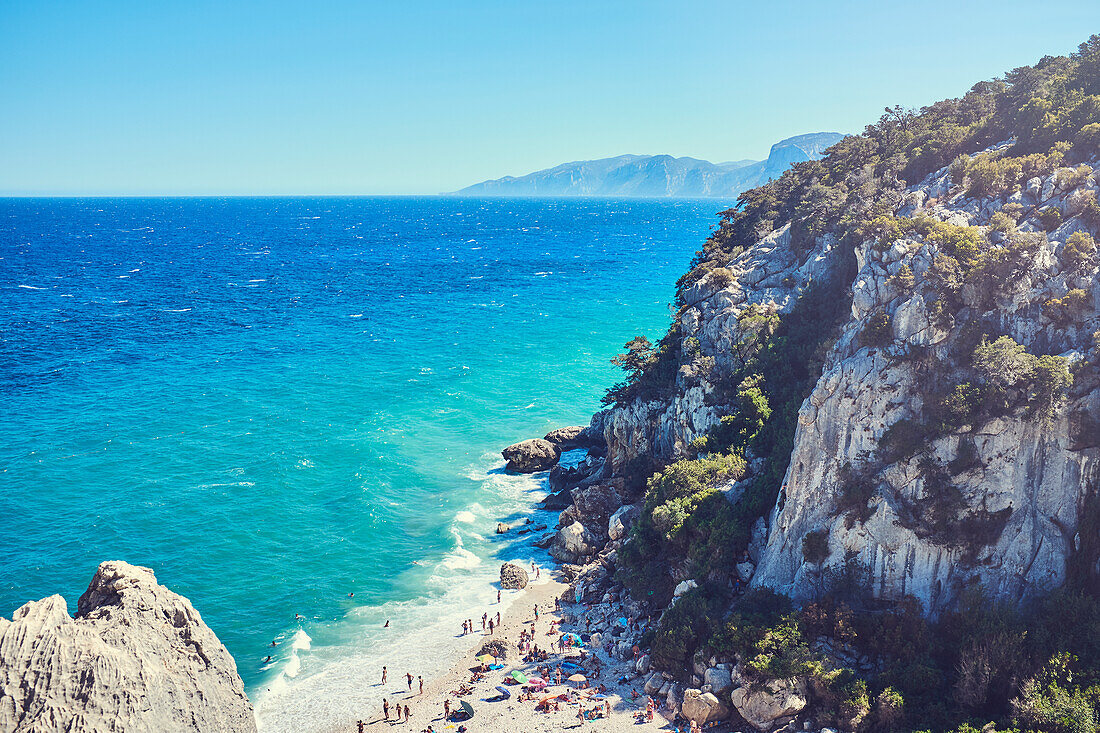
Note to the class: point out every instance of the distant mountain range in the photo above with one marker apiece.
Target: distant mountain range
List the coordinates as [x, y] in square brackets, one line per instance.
[658, 175]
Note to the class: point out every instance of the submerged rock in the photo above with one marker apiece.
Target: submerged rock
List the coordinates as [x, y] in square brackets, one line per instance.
[512, 577]
[137, 657]
[531, 456]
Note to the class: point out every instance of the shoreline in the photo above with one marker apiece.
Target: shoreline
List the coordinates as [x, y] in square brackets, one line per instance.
[512, 715]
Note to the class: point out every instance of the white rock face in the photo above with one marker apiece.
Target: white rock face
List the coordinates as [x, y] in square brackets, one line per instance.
[703, 707]
[573, 541]
[619, 523]
[137, 657]
[683, 588]
[1025, 484]
[766, 706]
[1038, 475]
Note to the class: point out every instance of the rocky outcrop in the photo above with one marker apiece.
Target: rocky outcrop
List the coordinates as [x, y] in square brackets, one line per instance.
[531, 456]
[512, 577]
[136, 657]
[569, 438]
[620, 522]
[1023, 482]
[768, 706]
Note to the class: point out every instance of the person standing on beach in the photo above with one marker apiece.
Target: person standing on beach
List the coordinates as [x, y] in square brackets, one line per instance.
[536, 612]
[409, 678]
[446, 709]
[490, 626]
[383, 675]
[407, 713]
[498, 595]
[421, 681]
[484, 618]
[498, 618]
[385, 708]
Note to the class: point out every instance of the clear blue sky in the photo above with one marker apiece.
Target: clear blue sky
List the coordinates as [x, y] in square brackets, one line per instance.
[239, 97]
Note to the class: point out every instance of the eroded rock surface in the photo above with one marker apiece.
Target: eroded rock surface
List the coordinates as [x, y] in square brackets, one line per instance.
[531, 456]
[137, 657]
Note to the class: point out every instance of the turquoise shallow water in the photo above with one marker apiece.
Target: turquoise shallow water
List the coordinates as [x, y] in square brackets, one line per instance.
[278, 402]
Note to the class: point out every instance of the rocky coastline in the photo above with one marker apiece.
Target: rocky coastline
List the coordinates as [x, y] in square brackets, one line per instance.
[136, 657]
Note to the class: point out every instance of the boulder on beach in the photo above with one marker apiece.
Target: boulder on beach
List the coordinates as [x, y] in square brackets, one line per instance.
[703, 707]
[497, 648]
[512, 577]
[531, 456]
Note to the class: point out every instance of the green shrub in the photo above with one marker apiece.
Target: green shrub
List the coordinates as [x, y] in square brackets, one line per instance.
[720, 277]
[1003, 223]
[1071, 178]
[1050, 218]
[815, 546]
[901, 440]
[1002, 363]
[1051, 379]
[902, 280]
[1063, 310]
[1049, 702]
[1078, 251]
[959, 407]
[856, 490]
[690, 622]
[878, 331]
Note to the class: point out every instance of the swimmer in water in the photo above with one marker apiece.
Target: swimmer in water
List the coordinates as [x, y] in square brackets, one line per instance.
[386, 625]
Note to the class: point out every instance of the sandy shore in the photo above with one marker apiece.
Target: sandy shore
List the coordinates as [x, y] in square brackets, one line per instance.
[493, 715]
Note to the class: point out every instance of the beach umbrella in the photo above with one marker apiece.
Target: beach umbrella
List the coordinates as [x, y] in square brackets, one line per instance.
[578, 678]
[485, 659]
[519, 677]
[504, 691]
[573, 638]
[467, 707]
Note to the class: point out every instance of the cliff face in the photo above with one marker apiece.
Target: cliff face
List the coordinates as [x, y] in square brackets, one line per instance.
[1028, 478]
[137, 657]
[994, 496]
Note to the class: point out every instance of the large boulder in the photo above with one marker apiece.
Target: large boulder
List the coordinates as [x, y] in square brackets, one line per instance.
[512, 577]
[595, 504]
[573, 542]
[719, 680]
[703, 707]
[766, 706]
[619, 523]
[531, 456]
[136, 657]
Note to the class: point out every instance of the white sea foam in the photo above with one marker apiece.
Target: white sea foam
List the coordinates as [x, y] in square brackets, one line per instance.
[337, 681]
[31, 287]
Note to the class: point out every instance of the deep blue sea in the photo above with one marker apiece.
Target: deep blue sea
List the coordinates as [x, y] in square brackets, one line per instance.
[278, 402]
